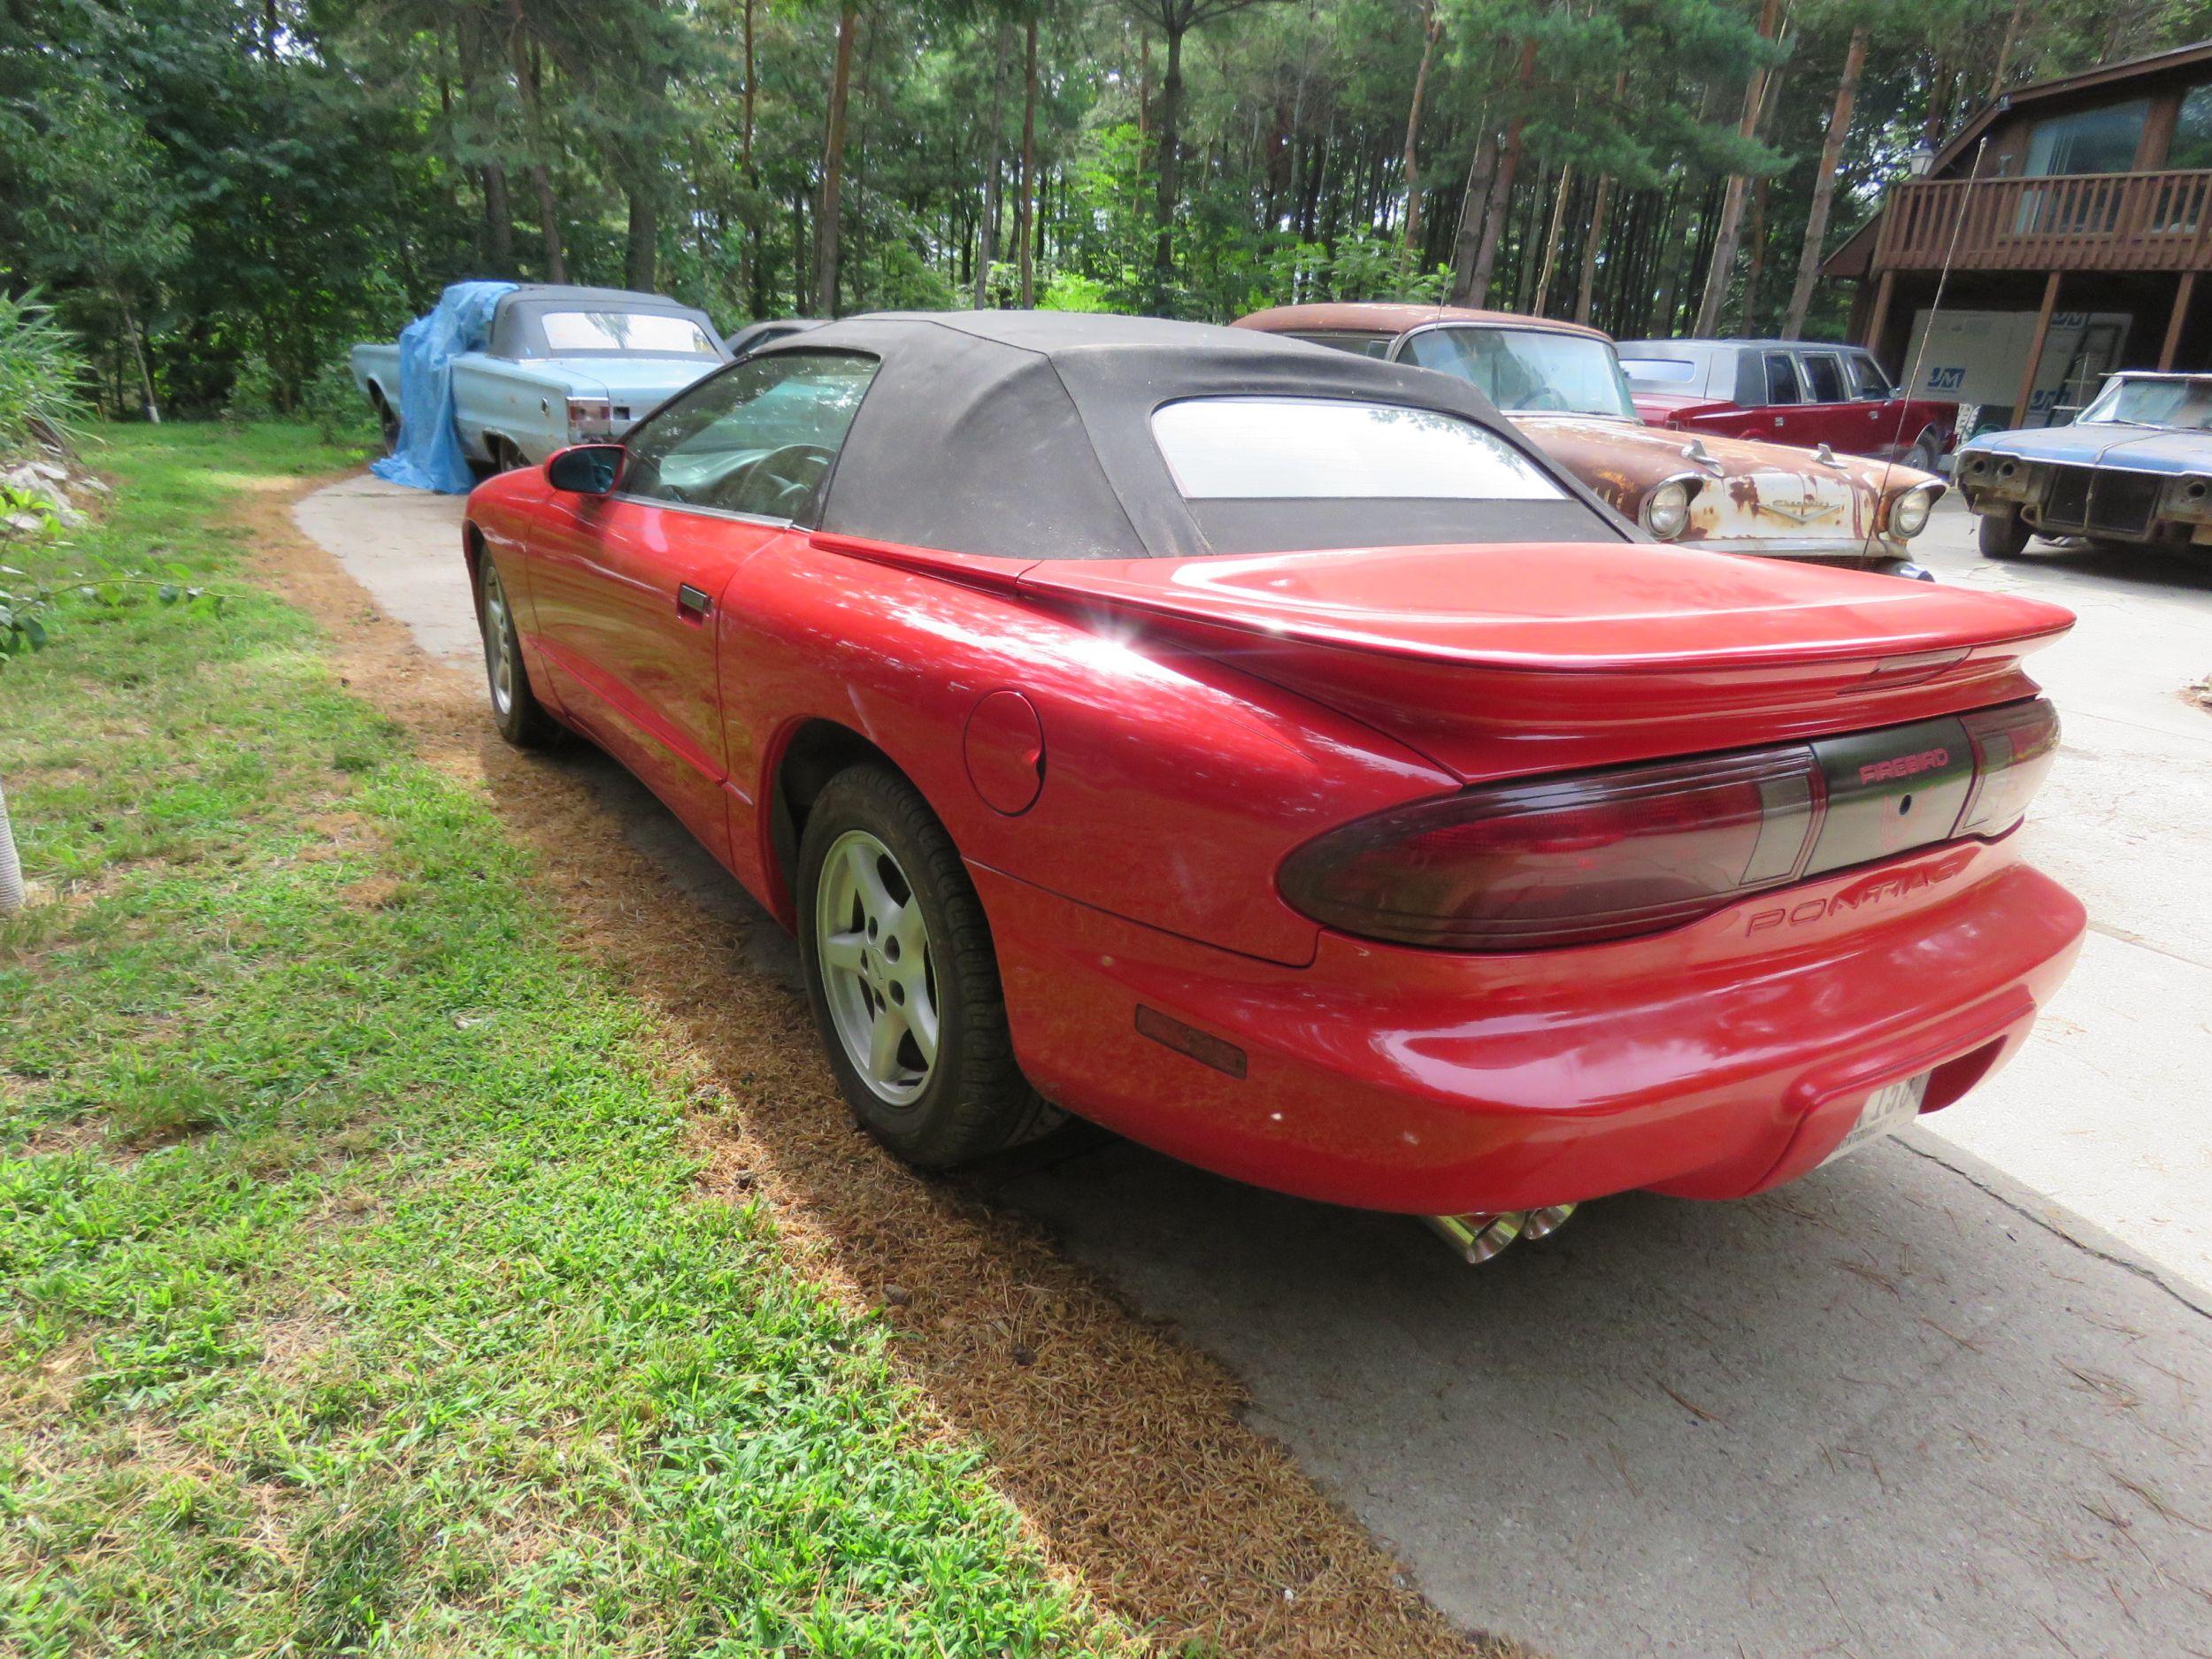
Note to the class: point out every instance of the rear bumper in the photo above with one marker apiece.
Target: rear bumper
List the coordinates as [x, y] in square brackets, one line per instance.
[1711, 1062]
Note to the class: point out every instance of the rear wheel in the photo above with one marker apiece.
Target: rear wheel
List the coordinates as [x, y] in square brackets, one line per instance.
[903, 980]
[387, 421]
[506, 457]
[1926, 452]
[521, 719]
[2003, 535]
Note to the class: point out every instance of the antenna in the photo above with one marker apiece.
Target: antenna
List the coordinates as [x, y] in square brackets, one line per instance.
[1935, 308]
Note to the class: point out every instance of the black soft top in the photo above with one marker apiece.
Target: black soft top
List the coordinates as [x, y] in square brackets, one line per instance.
[1028, 434]
[518, 329]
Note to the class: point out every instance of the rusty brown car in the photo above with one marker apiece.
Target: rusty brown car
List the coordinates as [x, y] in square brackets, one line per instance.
[1562, 384]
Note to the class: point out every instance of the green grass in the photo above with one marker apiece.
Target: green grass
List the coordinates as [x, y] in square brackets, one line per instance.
[358, 1297]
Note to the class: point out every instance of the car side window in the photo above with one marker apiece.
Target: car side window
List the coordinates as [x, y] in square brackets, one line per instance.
[1781, 380]
[1867, 379]
[758, 439]
[1824, 373]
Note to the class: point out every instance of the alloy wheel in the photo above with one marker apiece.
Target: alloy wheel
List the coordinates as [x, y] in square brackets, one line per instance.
[877, 970]
[499, 641]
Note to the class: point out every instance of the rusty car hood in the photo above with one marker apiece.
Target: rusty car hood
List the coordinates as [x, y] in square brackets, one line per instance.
[1749, 492]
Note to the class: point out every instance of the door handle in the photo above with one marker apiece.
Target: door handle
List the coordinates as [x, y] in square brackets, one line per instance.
[693, 601]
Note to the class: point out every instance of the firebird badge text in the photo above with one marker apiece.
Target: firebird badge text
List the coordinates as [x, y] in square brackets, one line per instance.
[1904, 765]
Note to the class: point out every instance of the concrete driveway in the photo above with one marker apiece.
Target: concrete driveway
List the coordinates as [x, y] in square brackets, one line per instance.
[1947, 1397]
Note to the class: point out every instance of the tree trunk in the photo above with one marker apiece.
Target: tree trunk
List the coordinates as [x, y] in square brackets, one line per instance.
[1824, 185]
[987, 233]
[1473, 286]
[10, 865]
[527, 84]
[1729, 237]
[548, 216]
[1431, 26]
[826, 225]
[1170, 177]
[499, 221]
[640, 253]
[498, 248]
[1026, 209]
[1474, 209]
[1497, 208]
[745, 132]
[1551, 240]
[138, 355]
[1586, 288]
[1754, 264]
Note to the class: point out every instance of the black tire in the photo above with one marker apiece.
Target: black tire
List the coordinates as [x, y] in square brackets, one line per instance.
[1926, 452]
[969, 1099]
[387, 421]
[521, 718]
[2003, 535]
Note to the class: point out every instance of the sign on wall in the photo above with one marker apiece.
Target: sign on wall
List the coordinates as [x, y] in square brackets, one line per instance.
[1976, 357]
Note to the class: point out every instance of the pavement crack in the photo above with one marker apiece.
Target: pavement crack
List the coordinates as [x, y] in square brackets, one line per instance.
[2142, 943]
[2188, 1296]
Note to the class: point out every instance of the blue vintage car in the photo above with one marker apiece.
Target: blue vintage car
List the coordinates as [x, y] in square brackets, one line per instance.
[557, 365]
[2135, 470]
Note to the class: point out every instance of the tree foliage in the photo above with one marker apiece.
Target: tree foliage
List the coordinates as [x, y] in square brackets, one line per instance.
[235, 189]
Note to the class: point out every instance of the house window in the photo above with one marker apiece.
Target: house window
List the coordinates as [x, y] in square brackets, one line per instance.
[2089, 140]
[2101, 141]
[2192, 145]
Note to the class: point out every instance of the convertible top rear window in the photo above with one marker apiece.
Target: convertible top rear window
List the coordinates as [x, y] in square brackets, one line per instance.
[1300, 448]
[656, 332]
[1031, 436]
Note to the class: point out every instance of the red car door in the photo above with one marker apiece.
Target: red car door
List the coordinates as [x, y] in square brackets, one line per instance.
[1781, 415]
[662, 571]
[627, 592]
[1828, 415]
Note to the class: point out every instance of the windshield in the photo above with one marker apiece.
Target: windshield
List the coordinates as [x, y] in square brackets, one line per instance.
[2186, 405]
[1306, 448]
[1529, 371]
[656, 334]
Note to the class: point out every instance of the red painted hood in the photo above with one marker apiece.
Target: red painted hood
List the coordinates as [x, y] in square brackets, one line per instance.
[1498, 659]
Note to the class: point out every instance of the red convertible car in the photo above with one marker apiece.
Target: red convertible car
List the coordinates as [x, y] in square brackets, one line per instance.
[1265, 752]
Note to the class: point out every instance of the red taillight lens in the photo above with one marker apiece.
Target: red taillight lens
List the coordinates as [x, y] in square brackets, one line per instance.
[1564, 860]
[2014, 748]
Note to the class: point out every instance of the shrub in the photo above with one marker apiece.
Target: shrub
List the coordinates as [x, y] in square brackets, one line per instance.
[43, 374]
[334, 406]
[253, 390]
[1070, 291]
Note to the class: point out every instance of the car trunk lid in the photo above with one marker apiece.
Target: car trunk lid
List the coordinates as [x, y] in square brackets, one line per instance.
[1496, 661]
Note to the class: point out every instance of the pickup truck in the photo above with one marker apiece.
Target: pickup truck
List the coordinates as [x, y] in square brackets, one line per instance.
[560, 366]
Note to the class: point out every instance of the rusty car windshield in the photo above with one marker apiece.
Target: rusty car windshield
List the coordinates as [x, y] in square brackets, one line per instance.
[2137, 401]
[1528, 371]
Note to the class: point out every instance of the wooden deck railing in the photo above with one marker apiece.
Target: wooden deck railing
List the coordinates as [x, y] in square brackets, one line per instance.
[2106, 221]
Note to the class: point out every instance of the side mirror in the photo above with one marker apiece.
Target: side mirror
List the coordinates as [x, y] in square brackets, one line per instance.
[586, 469]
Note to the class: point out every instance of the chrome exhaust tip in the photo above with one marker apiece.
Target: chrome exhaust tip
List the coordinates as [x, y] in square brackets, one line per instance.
[1542, 1223]
[1476, 1237]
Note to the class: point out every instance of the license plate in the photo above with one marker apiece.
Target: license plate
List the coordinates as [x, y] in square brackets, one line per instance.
[1887, 1110]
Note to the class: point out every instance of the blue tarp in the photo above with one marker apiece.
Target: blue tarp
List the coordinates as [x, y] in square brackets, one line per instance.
[429, 456]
